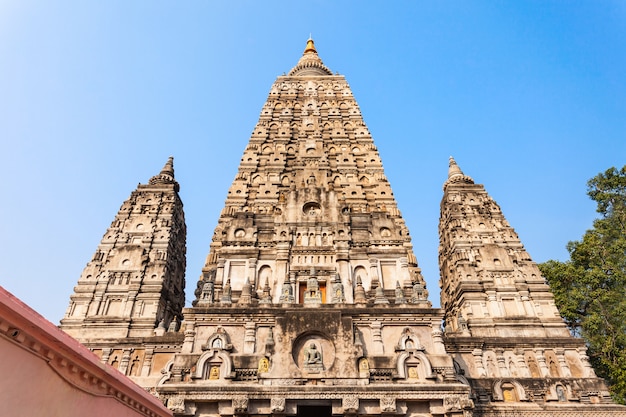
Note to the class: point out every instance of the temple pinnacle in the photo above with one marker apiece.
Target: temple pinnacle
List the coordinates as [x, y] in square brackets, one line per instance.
[454, 170]
[310, 46]
[455, 174]
[166, 176]
[168, 168]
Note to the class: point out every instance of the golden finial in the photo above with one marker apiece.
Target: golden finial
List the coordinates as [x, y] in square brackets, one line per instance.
[310, 46]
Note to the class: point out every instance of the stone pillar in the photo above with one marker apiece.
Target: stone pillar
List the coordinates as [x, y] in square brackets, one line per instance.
[528, 307]
[147, 362]
[190, 334]
[494, 308]
[219, 275]
[343, 268]
[378, 347]
[521, 363]
[249, 339]
[252, 277]
[560, 356]
[504, 370]
[590, 373]
[129, 303]
[438, 339]
[541, 360]
[478, 362]
[294, 288]
[94, 307]
[125, 360]
[282, 266]
[374, 279]
[106, 354]
[405, 275]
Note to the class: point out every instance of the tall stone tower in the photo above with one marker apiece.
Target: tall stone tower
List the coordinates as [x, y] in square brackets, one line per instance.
[310, 199]
[134, 284]
[311, 302]
[502, 326]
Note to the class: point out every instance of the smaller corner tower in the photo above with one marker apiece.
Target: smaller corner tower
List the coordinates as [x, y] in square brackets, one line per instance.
[489, 284]
[502, 327]
[134, 284]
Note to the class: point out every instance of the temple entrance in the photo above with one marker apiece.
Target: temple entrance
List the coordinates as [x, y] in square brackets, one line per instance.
[314, 411]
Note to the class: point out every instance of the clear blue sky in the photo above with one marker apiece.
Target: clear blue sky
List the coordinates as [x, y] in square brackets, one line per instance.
[529, 97]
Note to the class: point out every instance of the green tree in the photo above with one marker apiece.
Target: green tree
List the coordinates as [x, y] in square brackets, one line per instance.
[590, 288]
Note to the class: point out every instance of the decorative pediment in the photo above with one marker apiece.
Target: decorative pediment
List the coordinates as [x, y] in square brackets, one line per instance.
[220, 340]
[409, 341]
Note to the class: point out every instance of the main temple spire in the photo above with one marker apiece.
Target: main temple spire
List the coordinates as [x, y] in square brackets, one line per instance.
[310, 63]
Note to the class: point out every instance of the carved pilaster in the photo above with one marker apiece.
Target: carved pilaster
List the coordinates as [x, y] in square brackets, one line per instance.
[147, 362]
[249, 340]
[377, 338]
[541, 360]
[504, 370]
[478, 362]
[560, 356]
[125, 360]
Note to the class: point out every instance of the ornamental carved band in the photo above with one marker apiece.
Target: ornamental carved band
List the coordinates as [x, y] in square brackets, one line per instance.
[176, 404]
[240, 405]
[277, 405]
[388, 404]
[350, 404]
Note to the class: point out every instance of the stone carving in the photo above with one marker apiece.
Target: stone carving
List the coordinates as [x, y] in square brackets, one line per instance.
[399, 295]
[452, 403]
[214, 372]
[264, 365]
[313, 358]
[176, 404]
[350, 404]
[277, 404]
[240, 404]
[380, 297]
[338, 294]
[388, 404]
[207, 292]
[312, 294]
[226, 295]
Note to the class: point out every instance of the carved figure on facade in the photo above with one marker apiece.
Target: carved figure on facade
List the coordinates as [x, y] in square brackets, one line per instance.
[312, 294]
[399, 295]
[264, 366]
[338, 293]
[286, 295]
[364, 368]
[508, 390]
[312, 356]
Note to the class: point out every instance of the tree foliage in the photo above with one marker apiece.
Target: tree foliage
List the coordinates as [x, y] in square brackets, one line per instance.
[590, 288]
